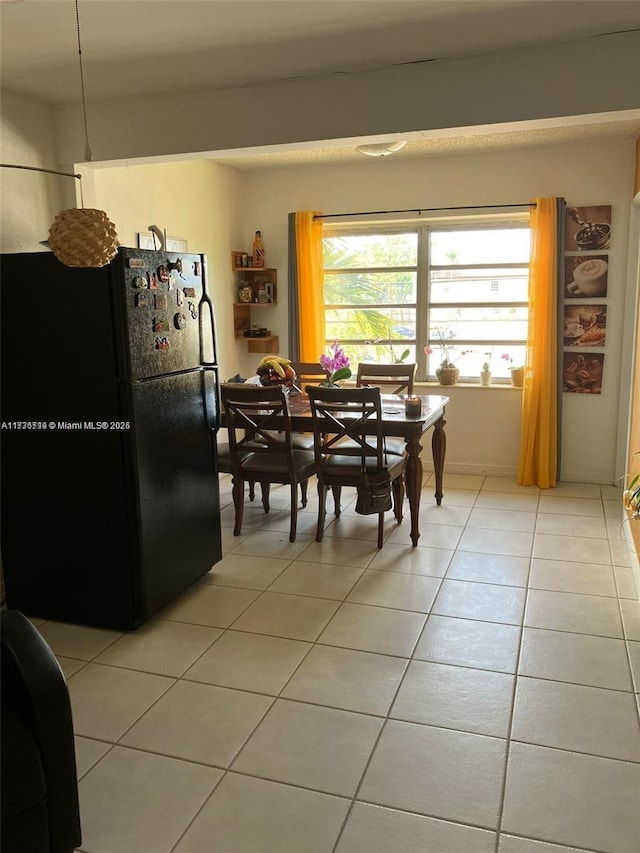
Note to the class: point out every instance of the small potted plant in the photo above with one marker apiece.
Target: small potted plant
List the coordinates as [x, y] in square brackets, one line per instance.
[485, 372]
[395, 358]
[447, 373]
[516, 370]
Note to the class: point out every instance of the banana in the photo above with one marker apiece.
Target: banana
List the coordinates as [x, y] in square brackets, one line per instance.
[275, 365]
[268, 361]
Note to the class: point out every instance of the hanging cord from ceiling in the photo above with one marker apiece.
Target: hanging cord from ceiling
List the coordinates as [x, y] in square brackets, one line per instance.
[88, 154]
[79, 236]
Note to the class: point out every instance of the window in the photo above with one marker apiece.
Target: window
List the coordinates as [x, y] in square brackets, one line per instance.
[389, 292]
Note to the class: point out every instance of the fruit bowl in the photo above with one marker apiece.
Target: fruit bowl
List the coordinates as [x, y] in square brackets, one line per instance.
[272, 378]
[275, 370]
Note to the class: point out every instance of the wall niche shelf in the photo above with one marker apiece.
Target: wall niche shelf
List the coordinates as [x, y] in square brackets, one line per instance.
[264, 289]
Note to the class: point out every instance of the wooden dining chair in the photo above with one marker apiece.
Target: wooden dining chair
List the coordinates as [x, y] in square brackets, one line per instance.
[224, 467]
[391, 379]
[260, 446]
[347, 429]
[397, 378]
[308, 373]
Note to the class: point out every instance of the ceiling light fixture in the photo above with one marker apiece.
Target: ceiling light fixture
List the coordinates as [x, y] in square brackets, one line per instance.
[381, 149]
[83, 237]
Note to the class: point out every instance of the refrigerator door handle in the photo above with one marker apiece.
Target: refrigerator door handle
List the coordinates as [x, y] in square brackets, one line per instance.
[213, 420]
[206, 300]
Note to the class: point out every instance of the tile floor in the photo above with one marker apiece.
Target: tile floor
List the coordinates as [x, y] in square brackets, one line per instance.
[477, 694]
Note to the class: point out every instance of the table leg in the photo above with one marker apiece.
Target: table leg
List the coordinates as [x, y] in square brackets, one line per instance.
[439, 448]
[413, 478]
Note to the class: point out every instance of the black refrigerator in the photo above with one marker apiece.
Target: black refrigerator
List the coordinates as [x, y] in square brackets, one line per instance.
[109, 408]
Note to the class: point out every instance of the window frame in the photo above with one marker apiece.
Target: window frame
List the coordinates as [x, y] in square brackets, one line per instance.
[423, 269]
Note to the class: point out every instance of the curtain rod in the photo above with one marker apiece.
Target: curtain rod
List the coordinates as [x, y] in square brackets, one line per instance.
[421, 210]
[39, 169]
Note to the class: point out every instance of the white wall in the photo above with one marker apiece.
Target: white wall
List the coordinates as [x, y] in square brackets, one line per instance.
[585, 173]
[29, 201]
[521, 84]
[199, 202]
[218, 209]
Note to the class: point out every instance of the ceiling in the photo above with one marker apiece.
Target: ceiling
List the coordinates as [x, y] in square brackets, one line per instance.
[144, 47]
[432, 144]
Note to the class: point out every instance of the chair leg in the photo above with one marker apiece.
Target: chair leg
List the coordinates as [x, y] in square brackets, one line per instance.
[252, 490]
[303, 492]
[238, 503]
[380, 528]
[398, 497]
[322, 498]
[266, 491]
[293, 526]
[337, 492]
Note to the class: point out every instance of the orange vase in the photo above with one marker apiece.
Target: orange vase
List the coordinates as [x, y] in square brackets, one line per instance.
[258, 251]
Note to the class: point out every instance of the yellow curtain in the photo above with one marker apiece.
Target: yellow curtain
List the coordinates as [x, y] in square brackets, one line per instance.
[539, 431]
[310, 285]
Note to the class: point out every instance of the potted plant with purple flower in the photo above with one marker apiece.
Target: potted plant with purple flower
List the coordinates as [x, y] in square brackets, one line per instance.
[335, 364]
[516, 370]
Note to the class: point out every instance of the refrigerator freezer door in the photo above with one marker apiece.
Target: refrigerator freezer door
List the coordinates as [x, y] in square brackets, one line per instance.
[177, 485]
[161, 295]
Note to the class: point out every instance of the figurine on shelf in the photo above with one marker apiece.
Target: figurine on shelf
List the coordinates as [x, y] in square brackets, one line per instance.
[258, 251]
[245, 292]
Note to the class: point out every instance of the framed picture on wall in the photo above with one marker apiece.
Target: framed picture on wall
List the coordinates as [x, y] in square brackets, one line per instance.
[588, 228]
[586, 277]
[146, 240]
[585, 325]
[582, 372]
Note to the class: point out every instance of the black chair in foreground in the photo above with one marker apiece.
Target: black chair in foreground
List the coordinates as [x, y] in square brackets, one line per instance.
[347, 429]
[260, 446]
[40, 809]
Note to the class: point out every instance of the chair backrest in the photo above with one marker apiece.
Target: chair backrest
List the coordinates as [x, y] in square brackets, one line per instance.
[36, 705]
[396, 376]
[257, 421]
[353, 414]
[308, 371]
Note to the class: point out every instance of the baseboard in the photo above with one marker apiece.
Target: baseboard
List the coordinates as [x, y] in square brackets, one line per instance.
[470, 468]
[600, 478]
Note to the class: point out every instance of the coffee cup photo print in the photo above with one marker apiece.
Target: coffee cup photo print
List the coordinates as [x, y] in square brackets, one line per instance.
[585, 325]
[586, 277]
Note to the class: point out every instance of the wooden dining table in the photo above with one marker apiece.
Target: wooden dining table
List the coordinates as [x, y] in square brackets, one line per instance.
[397, 424]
